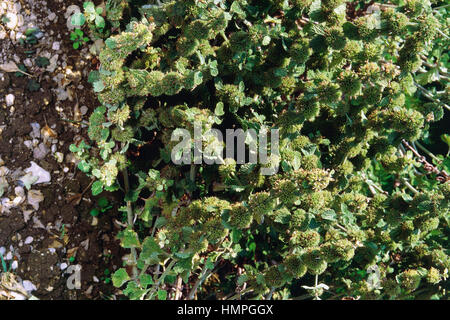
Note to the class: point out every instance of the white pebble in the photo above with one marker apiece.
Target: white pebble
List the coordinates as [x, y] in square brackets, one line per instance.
[56, 46]
[10, 98]
[83, 110]
[28, 286]
[28, 240]
[12, 20]
[63, 266]
[51, 16]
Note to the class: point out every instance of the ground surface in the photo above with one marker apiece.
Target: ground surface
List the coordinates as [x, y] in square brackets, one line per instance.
[46, 228]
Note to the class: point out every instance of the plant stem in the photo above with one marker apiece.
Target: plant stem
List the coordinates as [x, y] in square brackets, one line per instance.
[130, 218]
[161, 278]
[238, 295]
[409, 186]
[202, 277]
[421, 147]
[441, 7]
[269, 295]
[192, 173]
[427, 94]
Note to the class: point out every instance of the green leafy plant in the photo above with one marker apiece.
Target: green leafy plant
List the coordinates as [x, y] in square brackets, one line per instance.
[103, 206]
[354, 192]
[78, 38]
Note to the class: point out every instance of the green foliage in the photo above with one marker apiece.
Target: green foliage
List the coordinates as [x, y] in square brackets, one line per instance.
[343, 90]
[78, 38]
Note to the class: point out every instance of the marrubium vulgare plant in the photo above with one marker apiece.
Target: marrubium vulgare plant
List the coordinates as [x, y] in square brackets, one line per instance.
[358, 203]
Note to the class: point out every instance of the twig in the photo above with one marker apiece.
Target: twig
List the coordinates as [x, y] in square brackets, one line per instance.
[178, 291]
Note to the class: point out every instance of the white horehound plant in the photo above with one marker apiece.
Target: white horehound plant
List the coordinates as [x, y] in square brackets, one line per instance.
[340, 80]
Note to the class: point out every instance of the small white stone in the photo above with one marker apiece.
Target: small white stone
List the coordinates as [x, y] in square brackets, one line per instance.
[28, 240]
[28, 144]
[28, 63]
[40, 152]
[34, 197]
[10, 98]
[28, 286]
[59, 156]
[27, 215]
[63, 266]
[36, 134]
[42, 175]
[51, 16]
[83, 110]
[56, 46]
[14, 265]
[8, 256]
[12, 20]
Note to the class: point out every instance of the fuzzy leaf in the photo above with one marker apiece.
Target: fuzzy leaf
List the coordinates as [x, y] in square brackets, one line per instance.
[120, 277]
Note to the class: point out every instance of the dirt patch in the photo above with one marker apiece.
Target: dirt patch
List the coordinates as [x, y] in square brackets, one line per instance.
[40, 117]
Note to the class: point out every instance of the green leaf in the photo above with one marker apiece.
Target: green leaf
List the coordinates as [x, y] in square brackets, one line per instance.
[219, 109]
[162, 294]
[120, 277]
[73, 148]
[103, 202]
[198, 78]
[446, 139]
[110, 43]
[266, 41]
[99, 86]
[128, 238]
[99, 22]
[95, 212]
[329, 215]
[78, 19]
[97, 188]
[84, 166]
[33, 85]
[236, 8]
[150, 251]
[76, 45]
[93, 76]
[42, 62]
[145, 280]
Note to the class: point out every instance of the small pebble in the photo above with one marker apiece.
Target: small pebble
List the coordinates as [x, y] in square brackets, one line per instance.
[51, 16]
[28, 286]
[12, 20]
[83, 110]
[10, 98]
[28, 240]
[56, 46]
